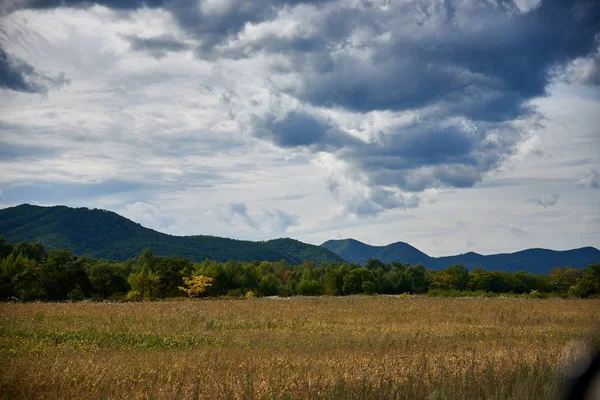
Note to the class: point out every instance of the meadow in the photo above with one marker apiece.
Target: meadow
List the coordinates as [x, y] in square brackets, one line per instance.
[353, 347]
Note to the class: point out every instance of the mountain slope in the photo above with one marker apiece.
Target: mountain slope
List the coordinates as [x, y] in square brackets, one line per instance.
[106, 234]
[358, 252]
[531, 260]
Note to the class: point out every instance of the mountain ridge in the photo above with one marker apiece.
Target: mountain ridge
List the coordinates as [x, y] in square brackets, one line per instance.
[535, 260]
[105, 234]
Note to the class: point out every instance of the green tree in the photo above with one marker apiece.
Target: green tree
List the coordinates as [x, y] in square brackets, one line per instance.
[353, 282]
[269, 285]
[33, 251]
[455, 277]
[63, 273]
[108, 279]
[562, 278]
[416, 276]
[11, 269]
[589, 282]
[5, 248]
[368, 287]
[309, 288]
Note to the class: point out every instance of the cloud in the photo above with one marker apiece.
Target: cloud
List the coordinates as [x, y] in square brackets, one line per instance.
[145, 214]
[591, 179]
[12, 5]
[20, 76]
[13, 151]
[437, 242]
[518, 232]
[293, 129]
[410, 55]
[392, 100]
[587, 71]
[412, 95]
[544, 201]
[157, 46]
[56, 192]
[276, 221]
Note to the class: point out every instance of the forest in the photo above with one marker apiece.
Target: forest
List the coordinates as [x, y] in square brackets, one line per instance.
[28, 273]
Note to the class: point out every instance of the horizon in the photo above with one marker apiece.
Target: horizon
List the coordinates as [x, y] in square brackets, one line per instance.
[457, 127]
[319, 244]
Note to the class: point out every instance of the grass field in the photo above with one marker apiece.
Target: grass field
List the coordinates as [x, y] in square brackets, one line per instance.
[344, 347]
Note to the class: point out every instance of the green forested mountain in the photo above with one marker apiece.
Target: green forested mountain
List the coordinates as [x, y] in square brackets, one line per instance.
[539, 261]
[105, 234]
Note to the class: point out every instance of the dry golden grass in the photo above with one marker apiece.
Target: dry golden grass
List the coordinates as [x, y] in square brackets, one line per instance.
[345, 347]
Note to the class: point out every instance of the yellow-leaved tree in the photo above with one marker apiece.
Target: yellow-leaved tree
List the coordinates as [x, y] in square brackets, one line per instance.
[195, 285]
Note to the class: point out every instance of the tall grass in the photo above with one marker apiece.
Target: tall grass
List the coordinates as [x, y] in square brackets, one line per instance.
[371, 347]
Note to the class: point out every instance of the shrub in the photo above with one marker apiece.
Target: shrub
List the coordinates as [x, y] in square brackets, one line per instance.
[133, 295]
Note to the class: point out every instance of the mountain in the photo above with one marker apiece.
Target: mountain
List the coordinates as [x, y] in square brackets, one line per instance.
[105, 234]
[358, 252]
[539, 261]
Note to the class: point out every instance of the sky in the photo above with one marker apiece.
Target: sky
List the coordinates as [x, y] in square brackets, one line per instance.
[452, 125]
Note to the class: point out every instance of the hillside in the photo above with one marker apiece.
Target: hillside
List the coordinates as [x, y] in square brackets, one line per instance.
[531, 260]
[105, 234]
[358, 252]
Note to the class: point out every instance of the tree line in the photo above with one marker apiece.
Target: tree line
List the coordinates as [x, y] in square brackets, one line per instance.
[28, 272]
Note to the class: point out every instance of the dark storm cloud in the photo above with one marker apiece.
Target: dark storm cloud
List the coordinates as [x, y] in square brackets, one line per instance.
[20, 76]
[12, 5]
[465, 69]
[210, 21]
[472, 63]
[217, 20]
[296, 128]
[157, 46]
[476, 60]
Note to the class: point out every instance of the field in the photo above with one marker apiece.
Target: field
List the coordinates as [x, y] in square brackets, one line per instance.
[344, 347]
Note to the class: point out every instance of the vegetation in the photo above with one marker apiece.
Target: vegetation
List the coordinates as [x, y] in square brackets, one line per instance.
[354, 347]
[28, 272]
[104, 234]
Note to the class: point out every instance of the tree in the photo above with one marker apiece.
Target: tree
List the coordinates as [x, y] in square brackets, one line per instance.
[562, 278]
[455, 277]
[169, 274]
[269, 285]
[368, 287]
[12, 270]
[416, 276]
[63, 273]
[5, 248]
[309, 288]
[589, 283]
[353, 282]
[108, 279]
[195, 285]
[33, 251]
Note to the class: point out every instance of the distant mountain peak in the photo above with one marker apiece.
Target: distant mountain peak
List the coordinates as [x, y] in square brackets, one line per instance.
[531, 260]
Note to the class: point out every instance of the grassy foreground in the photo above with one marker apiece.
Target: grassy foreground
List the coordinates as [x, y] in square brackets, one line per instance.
[343, 347]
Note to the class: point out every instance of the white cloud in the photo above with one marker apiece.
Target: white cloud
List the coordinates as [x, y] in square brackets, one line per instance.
[165, 131]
